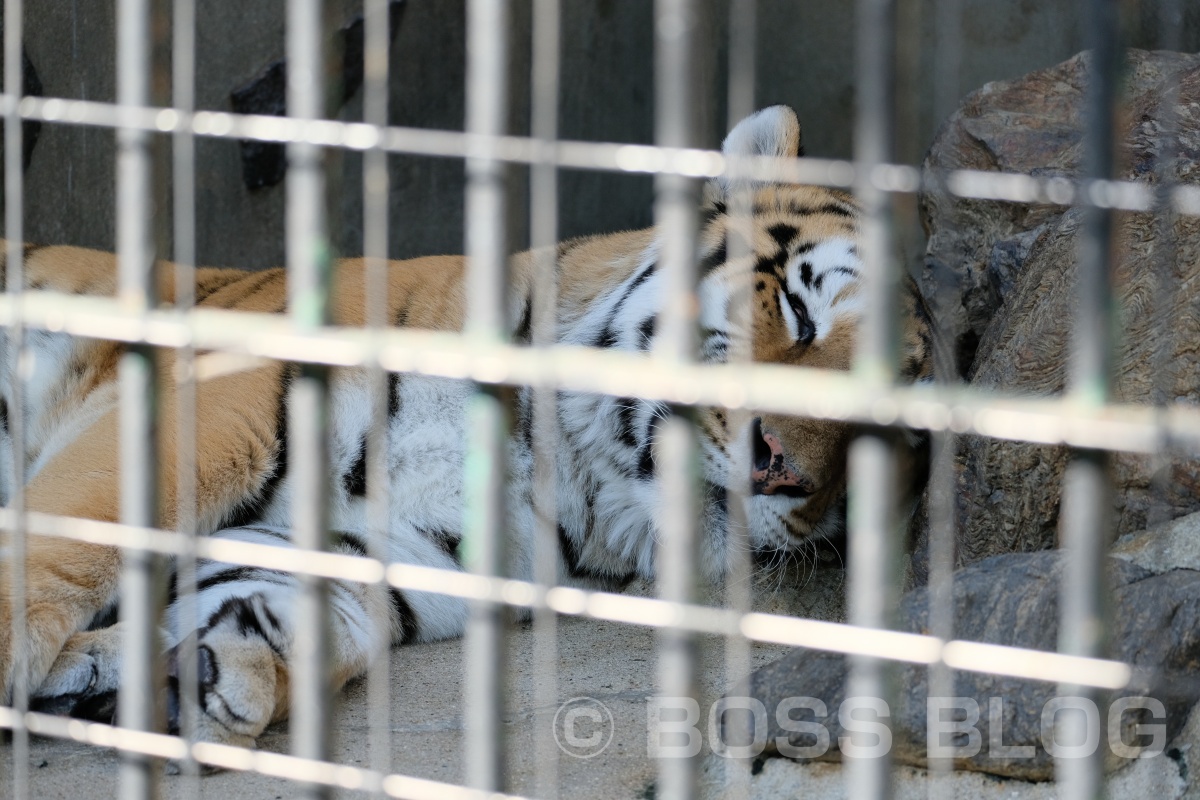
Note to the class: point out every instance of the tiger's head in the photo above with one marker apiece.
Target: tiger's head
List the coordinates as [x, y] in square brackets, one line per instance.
[805, 308]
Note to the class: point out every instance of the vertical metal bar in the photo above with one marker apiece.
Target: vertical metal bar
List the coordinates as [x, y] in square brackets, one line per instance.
[1086, 514]
[942, 539]
[676, 196]
[872, 457]
[377, 27]
[309, 267]
[183, 80]
[677, 649]
[873, 594]
[544, 234]
[141, 594]
[14, 231]
[486, 245]
[675, 205]
[739, 577]
[874, 136]
[941, 546]
[487, 116]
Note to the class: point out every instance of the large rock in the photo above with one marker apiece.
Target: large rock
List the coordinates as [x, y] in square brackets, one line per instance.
[1031, 125]
[1173, 545]
[1011, 600]
[1005, 273]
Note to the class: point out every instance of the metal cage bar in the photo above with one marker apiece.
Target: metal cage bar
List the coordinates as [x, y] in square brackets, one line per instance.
[142, 586]
[872, 464]
[486, 521]
[376, 183]
[183, 177]
[1086, 498]
[739, 578]
[675, 213]
[14, 207]
[309, 267]
[1086, 420]
[543, 234]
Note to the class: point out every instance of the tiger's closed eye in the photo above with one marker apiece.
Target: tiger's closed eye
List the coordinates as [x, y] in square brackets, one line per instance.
[806, 329]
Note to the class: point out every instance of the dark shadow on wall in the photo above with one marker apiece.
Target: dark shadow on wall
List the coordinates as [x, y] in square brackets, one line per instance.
[805, 59]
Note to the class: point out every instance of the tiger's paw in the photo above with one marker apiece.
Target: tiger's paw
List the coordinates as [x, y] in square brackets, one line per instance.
[241, 679]
[84, 679]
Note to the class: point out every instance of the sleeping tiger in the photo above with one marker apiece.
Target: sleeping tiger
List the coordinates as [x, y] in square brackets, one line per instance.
[806, 306]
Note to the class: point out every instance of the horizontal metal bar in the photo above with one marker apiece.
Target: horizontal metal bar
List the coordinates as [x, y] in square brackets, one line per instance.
[643, 611]
[602, 156]
[274, 765]
[820, 394]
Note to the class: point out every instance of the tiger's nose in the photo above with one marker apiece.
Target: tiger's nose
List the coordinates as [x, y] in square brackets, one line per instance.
[769, 473]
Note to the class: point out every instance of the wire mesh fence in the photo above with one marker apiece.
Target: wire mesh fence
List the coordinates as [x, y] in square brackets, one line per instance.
[1086, 419]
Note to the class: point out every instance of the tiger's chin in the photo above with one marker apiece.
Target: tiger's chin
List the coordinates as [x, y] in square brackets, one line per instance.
[779, 523]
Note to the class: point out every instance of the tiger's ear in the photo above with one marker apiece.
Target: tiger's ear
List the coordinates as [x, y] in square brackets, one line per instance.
[774, 131]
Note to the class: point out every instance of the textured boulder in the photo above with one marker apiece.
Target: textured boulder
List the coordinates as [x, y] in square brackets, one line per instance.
[1033, 125]
[1010, 600]
[1005, 274]
[1173, 545]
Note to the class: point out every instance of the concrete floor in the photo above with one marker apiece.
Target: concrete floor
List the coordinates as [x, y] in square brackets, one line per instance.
[612, 663]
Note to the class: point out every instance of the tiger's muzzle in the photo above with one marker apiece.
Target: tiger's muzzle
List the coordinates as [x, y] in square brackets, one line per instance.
[770, 473]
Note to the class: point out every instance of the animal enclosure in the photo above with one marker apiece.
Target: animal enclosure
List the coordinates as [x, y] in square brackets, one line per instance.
[310, 156]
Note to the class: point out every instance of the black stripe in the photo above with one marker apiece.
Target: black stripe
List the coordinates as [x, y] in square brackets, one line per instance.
[237, 574]
[27, 253]
[645, 467]
[355, 481]
[525, 417]
[783, 234]
[447, 541]
[831, 208]
[393, 395]
[772, 265]
[820, 281]
[251, 510]
[410, 626]
[401, 318]
[283, 537]
[646, 332]
[522, 333]
[710, 213]
[252, 284]
[806, 274]
[274, 277]
[608, 337]
[570, 553]
[28, 250]
[350, 541]
[626, 410]
[248, 622]
[203, 291]
[714, 259]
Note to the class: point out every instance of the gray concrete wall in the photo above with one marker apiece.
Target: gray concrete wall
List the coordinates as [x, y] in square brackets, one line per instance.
[805, 58]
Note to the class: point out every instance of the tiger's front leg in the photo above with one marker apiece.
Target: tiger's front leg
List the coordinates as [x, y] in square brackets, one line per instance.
[243, 643]
[239, 433]
[65, 588]
[240, 680]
